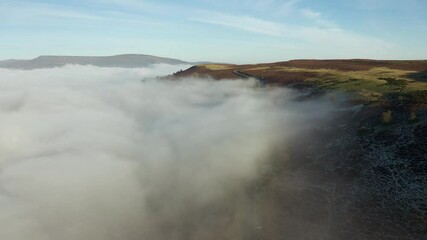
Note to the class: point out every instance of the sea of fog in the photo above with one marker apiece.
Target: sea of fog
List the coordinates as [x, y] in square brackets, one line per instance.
[89, 153]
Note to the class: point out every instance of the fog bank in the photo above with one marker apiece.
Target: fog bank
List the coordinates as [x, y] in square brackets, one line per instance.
[98, 153]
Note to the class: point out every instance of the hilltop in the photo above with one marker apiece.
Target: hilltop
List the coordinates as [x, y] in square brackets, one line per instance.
[124, 60]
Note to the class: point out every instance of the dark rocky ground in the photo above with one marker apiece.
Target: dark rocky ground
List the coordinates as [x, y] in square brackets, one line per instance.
[358, 178]
[354, 176]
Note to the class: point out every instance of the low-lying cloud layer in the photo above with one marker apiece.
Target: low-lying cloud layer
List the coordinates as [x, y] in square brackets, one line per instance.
[98, 153]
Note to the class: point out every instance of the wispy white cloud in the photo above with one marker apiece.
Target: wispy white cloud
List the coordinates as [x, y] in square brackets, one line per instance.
[129, 3]
[322, 39]
[27, 13]
[309, 13]
[19, 11]
[148, 7]
[245, 23]
[61, 13]
[288, 6]
[317, 18]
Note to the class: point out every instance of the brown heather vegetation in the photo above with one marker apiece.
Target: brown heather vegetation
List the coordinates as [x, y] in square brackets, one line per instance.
[372, 80]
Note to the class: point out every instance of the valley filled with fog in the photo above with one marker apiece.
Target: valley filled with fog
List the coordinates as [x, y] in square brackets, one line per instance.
[114, 153]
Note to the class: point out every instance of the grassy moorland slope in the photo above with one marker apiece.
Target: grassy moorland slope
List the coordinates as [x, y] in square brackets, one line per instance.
[370, 79]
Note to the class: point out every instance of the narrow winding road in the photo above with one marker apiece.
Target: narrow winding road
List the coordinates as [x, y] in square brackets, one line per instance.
[261, 81]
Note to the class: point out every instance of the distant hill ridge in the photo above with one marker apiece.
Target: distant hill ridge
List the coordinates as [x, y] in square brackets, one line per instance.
[123, 60]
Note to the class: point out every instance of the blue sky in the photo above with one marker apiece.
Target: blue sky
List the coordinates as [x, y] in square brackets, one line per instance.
[243, 31]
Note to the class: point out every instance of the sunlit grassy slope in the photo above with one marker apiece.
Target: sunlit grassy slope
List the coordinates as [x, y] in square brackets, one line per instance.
[371, 80]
